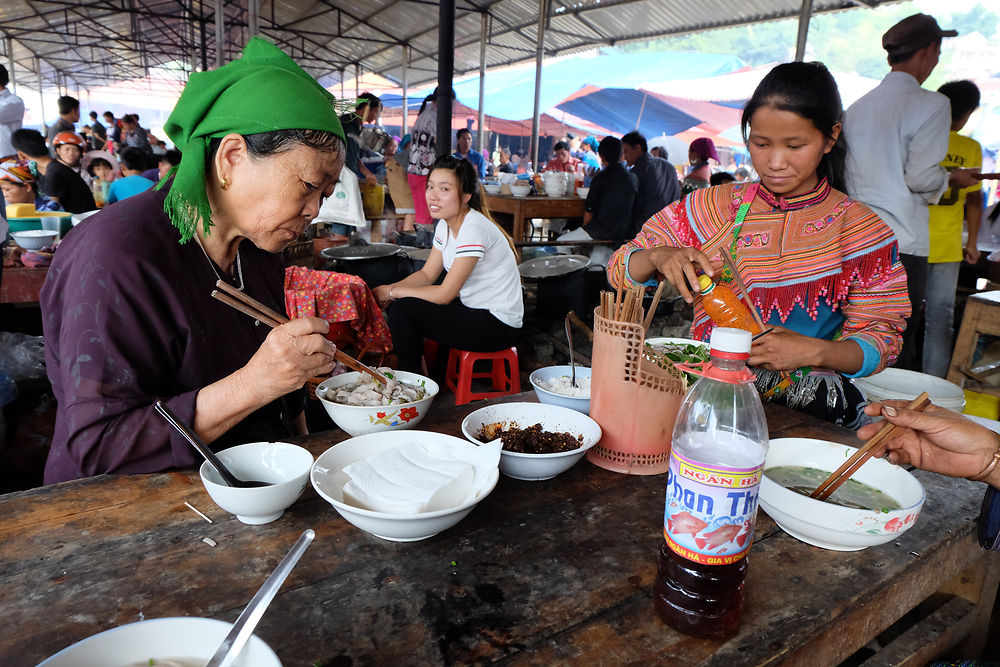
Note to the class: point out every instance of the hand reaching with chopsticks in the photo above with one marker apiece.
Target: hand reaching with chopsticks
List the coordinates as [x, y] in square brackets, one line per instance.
[937, 440]
[291, 354]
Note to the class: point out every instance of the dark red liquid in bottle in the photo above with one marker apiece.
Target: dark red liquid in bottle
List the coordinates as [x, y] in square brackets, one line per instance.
[699, 600]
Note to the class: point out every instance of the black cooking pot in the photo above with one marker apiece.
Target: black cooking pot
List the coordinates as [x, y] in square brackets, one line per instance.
[563, 282]
[375, 263]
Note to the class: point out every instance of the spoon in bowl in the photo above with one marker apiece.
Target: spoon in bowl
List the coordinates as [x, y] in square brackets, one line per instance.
[229, 478]
[572, 364]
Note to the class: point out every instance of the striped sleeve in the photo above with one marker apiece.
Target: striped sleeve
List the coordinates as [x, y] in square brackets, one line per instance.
[471, 242]
[668, 227]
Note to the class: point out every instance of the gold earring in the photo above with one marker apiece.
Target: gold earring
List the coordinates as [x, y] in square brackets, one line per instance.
[224, 184]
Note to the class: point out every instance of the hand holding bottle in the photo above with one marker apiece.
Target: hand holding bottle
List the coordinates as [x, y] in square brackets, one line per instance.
[676, 265]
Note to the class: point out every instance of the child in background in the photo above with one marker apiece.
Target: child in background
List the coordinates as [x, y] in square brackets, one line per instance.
[133, 161]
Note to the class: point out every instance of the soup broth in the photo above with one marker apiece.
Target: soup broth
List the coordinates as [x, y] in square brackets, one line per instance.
[851, 494]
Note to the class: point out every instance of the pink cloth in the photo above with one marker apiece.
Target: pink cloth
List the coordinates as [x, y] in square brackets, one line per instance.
[342, 300]
[418, 186]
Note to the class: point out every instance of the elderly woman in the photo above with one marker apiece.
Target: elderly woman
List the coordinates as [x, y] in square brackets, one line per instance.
[127, 310]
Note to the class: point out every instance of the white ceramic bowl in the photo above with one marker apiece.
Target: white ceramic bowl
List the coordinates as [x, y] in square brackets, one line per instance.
[35, 239]
[285, 466]
[582, 192]
[492, 188]
[328, 479]
[162, 639]
[548, 373]
[361, 419]
[533, 467]
[520, 190]
[896, 383]
[832, 526]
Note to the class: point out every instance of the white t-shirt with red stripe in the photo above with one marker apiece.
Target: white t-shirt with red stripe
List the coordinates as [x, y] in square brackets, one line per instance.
[494, 284]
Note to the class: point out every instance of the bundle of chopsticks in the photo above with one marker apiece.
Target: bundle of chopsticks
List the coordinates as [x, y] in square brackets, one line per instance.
[626, 305]
[865, 452]
[248, 305]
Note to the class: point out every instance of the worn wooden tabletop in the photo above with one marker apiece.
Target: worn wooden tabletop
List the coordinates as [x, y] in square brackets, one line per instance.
[535, 206]
[553, 572]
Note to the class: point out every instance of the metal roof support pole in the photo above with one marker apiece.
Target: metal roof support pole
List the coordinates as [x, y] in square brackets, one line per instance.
[446, 73]
[253, 17]
[804, 16]
[41, 97]
[543, 10]
[341, 70]
[481, 134]
[9, 45]
[220, 34]
[357, 80]
[406, 71]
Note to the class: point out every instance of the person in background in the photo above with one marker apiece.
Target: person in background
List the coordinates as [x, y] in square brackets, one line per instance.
[134, 134]
[367, 110]
[132, 161]
[506, 165]
[11, 114]
[478, 307]
[720, 178]
[69, 115]
[170, 158]
[423, 139]
[801, 246]
[590, 158]
[114, 131]
[658, 184]
[897, 136]
[20, 187]
[700, 152]
[464, 140]
[574, 144]
[69, 148]
[945, 237]
[98, 133]
[101, 175]
[55, 179]
[562, 161]
[939, 440]
[742, 174]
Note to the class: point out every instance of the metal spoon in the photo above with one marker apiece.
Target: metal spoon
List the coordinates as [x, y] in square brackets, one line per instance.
[572, 364]
[229, 478]
[244, 626]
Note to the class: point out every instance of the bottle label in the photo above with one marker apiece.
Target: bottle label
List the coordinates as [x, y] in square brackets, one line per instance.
[710, 510]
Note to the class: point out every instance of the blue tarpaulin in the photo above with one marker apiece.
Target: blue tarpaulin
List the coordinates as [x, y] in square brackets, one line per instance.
[619, 109]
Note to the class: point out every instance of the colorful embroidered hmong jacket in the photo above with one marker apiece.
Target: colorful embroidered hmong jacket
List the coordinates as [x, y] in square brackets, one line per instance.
[820, 264]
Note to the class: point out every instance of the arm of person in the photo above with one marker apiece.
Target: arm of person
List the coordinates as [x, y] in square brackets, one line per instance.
[427, 275]
[366, 173]
[937, 440]
[587, 217]
[973, 219]
[447, 291]
[922, 170]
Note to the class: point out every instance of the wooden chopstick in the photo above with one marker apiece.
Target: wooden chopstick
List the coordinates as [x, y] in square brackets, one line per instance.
[731, 263]
[652, 307]
[248, 305]
[851, 465]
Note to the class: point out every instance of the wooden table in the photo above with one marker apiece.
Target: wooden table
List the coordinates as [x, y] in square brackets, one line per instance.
[554, 572]
[534, 207]
[22, 284]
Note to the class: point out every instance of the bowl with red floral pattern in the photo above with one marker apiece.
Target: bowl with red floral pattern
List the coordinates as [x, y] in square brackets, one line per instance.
[876, 505]
[359, 405]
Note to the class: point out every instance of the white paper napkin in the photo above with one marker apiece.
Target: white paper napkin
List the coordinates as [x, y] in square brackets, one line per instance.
[418, 477]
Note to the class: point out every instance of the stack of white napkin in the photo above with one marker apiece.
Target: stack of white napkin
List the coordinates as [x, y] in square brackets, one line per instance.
[418, 477]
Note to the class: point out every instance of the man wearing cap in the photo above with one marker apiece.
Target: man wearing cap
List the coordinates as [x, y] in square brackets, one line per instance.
[897, 136]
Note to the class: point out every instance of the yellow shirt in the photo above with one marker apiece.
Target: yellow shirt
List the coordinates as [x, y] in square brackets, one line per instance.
[948, 214]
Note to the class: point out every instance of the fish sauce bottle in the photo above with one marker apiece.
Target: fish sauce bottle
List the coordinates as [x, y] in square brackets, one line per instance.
[724, 307]
[716, 462]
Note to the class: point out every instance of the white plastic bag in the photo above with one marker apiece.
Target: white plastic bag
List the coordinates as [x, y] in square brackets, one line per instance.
[344, 206]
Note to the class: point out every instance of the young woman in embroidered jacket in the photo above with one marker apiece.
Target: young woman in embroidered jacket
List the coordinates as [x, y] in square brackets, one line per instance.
[478, 305]
[822, 269]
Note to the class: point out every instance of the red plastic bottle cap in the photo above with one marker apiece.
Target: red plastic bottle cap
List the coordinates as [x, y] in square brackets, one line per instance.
[726, 339]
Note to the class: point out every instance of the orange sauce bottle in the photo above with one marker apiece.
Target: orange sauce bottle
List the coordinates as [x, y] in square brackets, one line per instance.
[724, 307]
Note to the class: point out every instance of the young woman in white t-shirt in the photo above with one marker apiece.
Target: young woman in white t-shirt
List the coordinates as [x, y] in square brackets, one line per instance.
[478, 305]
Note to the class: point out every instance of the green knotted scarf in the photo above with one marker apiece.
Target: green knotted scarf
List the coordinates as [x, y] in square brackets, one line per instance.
[262, 91]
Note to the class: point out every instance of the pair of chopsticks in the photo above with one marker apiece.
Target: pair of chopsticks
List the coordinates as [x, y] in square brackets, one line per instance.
[248, 305]
[851, 465]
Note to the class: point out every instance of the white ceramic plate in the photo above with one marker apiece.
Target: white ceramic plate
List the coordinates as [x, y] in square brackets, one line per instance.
[896, 383]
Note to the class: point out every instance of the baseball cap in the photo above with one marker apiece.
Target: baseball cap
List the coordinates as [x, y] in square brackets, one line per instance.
[913, 33]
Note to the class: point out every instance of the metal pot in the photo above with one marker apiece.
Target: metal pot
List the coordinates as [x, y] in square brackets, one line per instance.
[562, 283]
[375, 263]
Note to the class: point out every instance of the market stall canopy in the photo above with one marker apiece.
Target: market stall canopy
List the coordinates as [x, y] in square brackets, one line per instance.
[86, 43]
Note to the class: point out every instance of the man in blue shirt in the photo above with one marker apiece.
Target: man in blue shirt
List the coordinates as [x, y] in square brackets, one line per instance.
[464, 139]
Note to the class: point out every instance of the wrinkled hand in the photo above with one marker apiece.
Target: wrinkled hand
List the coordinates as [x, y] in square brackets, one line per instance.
[937, 439]
[678, 266]
[291, 354]
[783, 350]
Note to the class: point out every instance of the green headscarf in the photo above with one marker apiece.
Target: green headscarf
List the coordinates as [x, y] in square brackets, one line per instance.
[262, 91]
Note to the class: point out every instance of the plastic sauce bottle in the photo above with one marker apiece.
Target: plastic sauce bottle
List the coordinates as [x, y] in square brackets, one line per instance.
[716, 462]
[724, 307]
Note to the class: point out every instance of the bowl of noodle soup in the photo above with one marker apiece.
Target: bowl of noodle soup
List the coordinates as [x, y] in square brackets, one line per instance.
[372, 414]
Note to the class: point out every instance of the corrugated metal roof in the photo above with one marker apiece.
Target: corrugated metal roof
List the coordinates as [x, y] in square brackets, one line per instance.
[87, 43]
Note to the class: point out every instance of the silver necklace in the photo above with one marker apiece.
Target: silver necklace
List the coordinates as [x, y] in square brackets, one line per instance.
[239, 264]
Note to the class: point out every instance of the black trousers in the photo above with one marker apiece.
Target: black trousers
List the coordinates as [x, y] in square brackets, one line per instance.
[450, 325]
[916, 284]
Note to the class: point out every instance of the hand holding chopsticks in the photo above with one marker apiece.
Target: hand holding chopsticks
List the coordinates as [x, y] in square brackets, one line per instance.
[247, 305]
[851, 465]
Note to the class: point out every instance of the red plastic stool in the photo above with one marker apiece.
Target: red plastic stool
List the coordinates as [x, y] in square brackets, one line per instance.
[504, 372]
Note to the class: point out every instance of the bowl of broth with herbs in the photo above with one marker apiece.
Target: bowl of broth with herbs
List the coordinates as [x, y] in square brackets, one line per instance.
[878, 503]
